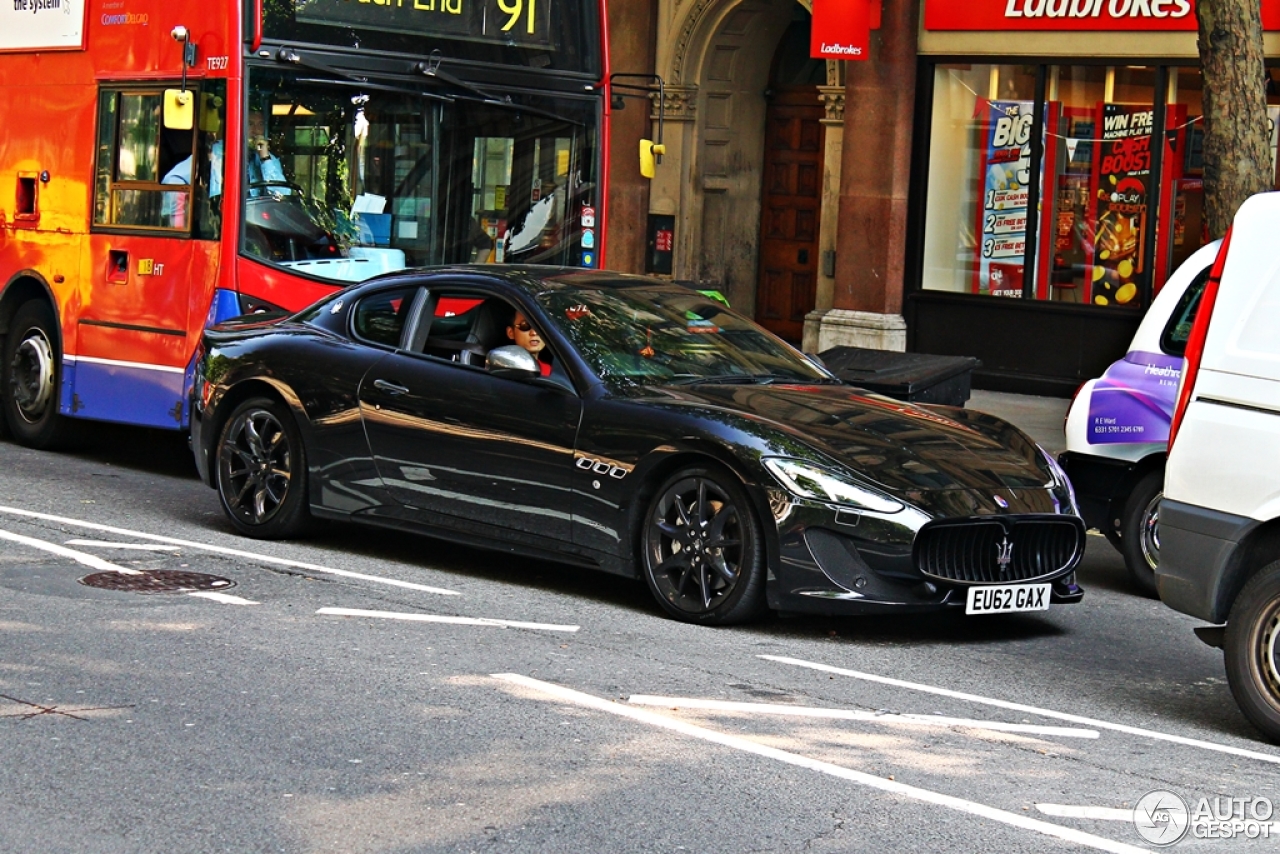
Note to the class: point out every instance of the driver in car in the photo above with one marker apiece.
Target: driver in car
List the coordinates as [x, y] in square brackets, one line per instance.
[522, 332]
[263, 166]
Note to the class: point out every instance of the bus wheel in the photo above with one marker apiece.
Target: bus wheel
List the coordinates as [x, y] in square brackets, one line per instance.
[31, 377]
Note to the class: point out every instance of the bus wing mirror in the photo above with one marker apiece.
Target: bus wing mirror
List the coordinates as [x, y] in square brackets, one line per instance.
[649, 154]
[179, 109]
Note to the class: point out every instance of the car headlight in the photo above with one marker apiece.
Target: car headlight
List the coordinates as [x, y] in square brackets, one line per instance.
[1059, 476]
[805, 480]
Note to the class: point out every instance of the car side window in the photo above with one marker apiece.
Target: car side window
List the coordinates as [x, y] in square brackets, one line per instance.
[1173, 340]
[380, 318]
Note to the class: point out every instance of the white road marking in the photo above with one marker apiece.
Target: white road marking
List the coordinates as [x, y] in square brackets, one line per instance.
[1019, 707]
[855, 715]
[295, 564]
[1098, 813]
[432, 618]
[224, 598]
[91, 561]
[141, 547]
[747, 746]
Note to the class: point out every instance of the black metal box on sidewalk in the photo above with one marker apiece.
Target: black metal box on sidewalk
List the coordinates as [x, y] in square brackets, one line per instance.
[913, 377]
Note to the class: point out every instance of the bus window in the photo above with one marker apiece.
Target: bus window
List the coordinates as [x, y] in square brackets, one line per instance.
[144, 176]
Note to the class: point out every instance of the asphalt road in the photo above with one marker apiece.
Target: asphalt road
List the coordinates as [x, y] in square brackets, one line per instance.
[557, 709]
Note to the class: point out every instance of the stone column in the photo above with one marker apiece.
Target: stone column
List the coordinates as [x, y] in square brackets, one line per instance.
[832, 98]
[871, 251]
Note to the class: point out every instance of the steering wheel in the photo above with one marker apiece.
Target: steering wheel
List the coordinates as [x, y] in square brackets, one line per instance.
[293, 189]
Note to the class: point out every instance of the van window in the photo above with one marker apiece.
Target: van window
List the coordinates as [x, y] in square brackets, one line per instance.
[1174, 338]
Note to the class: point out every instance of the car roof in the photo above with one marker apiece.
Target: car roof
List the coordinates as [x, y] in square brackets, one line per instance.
[529, 278]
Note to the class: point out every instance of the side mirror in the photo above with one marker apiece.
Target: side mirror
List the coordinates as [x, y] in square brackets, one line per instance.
[512, 362]
[649, 154]
[179, 109]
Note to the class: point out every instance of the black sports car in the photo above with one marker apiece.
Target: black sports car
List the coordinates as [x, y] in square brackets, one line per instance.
[638, 427]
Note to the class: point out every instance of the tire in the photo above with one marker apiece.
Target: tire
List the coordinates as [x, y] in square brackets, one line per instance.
[1140, 532]
[32, 379]
[1252, 650]
[701, 548]
[262, 471]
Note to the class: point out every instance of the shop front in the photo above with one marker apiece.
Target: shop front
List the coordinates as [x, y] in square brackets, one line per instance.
[1057, 179]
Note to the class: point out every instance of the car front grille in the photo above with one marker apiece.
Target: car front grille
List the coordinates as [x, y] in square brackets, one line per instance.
[1006, 550]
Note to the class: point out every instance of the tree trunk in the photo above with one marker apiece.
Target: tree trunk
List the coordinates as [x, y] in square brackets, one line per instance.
[1237, 159]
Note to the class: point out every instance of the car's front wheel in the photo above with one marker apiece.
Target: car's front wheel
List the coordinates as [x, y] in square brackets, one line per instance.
[1140, 531]
[1252, 650]
[262, 471]
[702, 550]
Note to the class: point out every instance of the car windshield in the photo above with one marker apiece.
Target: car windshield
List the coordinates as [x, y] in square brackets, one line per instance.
[659, 335]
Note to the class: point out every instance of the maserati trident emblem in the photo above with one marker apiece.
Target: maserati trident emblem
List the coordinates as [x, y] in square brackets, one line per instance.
[1004, 554]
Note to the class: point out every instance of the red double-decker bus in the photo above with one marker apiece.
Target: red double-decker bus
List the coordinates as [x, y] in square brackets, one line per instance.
[167, 164]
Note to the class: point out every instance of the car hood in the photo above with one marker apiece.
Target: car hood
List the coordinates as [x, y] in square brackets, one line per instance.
[902, 447]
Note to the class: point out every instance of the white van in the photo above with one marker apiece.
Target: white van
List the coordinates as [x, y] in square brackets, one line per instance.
[1117, 427]
[1220, 516]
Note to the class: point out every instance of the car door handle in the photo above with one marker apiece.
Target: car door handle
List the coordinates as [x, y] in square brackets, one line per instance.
[389, 387]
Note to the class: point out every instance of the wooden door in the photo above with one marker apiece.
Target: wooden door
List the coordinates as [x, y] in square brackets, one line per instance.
[790, 211]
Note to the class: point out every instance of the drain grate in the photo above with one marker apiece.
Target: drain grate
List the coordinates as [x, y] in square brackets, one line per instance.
[159, 581]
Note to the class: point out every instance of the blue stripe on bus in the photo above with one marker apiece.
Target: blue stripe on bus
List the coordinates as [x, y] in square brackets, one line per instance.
[126, 394]
[225, 305]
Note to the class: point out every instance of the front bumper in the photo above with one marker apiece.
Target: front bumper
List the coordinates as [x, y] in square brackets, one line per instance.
[1199, 559]
[840, 562]
[1097, 481]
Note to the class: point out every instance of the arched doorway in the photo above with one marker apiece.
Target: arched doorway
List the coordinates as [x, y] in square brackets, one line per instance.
[791, 198]
[732, 69]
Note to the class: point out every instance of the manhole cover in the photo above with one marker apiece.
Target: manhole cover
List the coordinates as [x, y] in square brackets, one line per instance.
[159, 581]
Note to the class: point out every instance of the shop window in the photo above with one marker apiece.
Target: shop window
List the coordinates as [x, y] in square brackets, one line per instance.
[980, 172]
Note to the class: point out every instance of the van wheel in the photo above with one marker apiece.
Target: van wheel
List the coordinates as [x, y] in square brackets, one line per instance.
[1140, 532]
[1252, 650]
[32, 376]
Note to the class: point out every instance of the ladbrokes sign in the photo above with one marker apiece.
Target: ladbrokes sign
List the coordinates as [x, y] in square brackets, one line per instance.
[1126, 15]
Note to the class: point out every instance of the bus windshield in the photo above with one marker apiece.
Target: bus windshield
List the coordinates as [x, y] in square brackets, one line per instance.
[347, 179]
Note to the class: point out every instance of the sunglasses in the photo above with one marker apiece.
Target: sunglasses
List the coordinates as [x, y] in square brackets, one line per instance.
[523, 326]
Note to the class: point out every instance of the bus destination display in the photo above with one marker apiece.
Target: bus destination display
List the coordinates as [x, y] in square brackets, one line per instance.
[521, 22]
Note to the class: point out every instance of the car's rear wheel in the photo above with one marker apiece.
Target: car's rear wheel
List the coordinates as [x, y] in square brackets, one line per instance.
[262, 471]
[1252, 650]
[1140, 531]
[32, 374]
[702, 550]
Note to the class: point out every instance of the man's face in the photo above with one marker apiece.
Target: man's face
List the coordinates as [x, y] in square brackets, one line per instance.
[523, 333]
[257, 126]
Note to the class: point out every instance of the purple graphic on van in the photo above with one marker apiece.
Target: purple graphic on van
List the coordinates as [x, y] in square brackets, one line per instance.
[1133, 401]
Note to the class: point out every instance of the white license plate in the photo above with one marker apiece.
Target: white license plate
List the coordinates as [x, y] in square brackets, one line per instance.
[1007, 599]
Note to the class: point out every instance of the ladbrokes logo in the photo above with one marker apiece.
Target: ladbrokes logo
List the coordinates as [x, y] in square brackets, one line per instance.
[1098, 8]
[846, 49]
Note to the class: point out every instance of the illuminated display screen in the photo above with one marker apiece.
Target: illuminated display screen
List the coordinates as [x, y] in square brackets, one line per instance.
[525, 23]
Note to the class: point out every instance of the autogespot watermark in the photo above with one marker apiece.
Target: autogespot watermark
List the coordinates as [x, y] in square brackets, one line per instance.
[1163, 818]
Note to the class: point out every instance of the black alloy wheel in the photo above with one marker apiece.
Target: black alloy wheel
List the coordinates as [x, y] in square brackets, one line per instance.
[1252, 650]
[262, 477]
[32, 375]
[702, 549]
[1140, 531]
